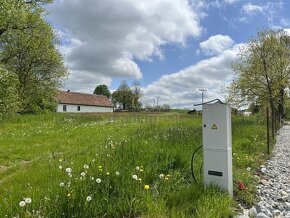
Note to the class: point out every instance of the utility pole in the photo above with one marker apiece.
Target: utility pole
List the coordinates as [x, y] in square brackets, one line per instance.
[202, 91]
[157, 98]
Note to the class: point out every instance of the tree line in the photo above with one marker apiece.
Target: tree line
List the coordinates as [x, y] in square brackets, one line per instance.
[125, 97]
[262, 73]
[31, 67]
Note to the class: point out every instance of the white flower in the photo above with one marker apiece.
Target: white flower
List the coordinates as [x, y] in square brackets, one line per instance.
[60, 167]
[89, 198]
[98, 180]
[135, 177]
[69, 175]
[92, 178]
[161, 176]
[137, 168]
[28, 200]
[68, 170]
[117, 173]
[86, 166]
[22, 203]
[248, 169]
[61, 184]
[83, 174]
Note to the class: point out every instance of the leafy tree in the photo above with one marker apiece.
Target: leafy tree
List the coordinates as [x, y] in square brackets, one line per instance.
[123, 96]
[9, 99]
[28, 49]
[137, 94]
[262, 71]
[102, 90]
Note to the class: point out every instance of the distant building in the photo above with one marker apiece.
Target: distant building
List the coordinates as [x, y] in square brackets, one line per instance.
[74, 102]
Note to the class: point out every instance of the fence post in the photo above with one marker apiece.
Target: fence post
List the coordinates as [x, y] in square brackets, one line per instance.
[268, 131]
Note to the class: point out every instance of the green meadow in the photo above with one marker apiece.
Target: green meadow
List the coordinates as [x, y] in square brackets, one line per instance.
[118, 165]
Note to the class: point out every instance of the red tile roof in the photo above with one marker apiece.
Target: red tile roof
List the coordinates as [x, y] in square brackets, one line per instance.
[83, 99]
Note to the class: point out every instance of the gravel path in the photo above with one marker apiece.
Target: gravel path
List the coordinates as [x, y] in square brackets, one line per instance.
[274, 187]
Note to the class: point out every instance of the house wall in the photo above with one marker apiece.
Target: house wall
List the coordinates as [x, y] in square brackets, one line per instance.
[83, 109]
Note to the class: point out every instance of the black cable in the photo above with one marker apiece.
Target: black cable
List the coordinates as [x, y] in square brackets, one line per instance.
[192, 158]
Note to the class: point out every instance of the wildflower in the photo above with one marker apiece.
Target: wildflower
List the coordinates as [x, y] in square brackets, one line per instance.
[83, 174]
[137, 168]
[69, 175]
[89, 198]
[135, 177]
[28, 200]
[60, 167]
[68, 195]
[86, 166]
[61, 184]
[117, 173]
[166, 178]
[98, 180]
[92, 178]
[146, 187]
[60, 160]
[107, 173]
[161, 176]
[248, 169]
[141, 170]
[94, 160]
[68, 170]
[22, 203]
[100, 167]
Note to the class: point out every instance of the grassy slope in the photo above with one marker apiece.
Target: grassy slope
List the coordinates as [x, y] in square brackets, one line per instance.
[31, 148]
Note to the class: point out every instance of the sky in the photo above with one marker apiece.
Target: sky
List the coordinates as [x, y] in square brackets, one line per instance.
[172, 47]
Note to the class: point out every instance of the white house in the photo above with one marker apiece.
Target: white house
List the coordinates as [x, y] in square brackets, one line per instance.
[74, 102]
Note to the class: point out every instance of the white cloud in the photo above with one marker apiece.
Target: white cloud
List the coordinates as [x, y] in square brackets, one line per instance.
[216, 44]
[231, 1]
[181, 89]
[250, 9]
[103, 38]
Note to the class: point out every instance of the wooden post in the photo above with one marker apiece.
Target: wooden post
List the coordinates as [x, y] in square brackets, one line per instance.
[268, 131]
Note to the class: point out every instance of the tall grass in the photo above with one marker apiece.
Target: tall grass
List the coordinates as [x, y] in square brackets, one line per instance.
[142, 161]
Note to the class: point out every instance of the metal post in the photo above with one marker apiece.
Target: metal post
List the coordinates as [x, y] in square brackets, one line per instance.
[202, 91]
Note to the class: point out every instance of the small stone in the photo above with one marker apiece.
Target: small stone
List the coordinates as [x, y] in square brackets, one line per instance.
[287, 206]
[242, 216]
[264, 182]
[283, 193]
[261, 215]
[252, 212]
[263, 170]
[260, 208]
[276, 212]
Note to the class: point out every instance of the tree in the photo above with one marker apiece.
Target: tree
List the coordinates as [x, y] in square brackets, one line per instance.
[9, 99]
[102, 90]
[123, 96]
[262, 71]
[137, 94]
[30, 53]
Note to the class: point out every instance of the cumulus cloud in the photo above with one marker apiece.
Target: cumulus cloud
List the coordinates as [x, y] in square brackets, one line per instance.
[103, 38]
[216, 44]
[181, 89]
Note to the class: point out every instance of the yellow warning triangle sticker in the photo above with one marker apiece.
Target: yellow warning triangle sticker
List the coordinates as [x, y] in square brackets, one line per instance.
[214, 126]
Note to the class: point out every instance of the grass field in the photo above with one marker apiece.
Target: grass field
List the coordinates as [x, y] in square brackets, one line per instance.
[117, 165]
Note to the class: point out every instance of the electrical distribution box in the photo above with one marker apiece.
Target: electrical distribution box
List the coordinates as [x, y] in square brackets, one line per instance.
[217, 145]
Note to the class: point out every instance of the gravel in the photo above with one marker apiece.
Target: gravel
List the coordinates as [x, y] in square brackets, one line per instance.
[274, 188]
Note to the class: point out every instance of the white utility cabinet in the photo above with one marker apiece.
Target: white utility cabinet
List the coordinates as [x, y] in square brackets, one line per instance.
[217, 145]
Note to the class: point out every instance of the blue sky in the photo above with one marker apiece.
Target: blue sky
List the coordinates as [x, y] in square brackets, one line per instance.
[173, 47]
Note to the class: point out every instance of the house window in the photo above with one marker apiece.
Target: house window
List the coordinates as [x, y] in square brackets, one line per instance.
[79, 108]
[64, 108]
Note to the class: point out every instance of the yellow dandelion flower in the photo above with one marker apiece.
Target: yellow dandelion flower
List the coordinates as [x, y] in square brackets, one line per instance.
[107, 173]
[68, 195]
[146, 187]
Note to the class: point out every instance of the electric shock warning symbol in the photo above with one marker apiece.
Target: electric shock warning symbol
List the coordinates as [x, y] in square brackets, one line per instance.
[214, 126]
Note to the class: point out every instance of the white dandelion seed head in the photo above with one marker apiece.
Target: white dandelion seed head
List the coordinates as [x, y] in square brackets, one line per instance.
[137, 168]
[61, 184]
[60, 167]
[28, 200]
[161, 176]
[92, 178]
[98, 180]
[135, 177]
[83, 174]
[86, 166]
[68, 170]
[89, 198]
[69, 175]
[117, 173]
[22, 203]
